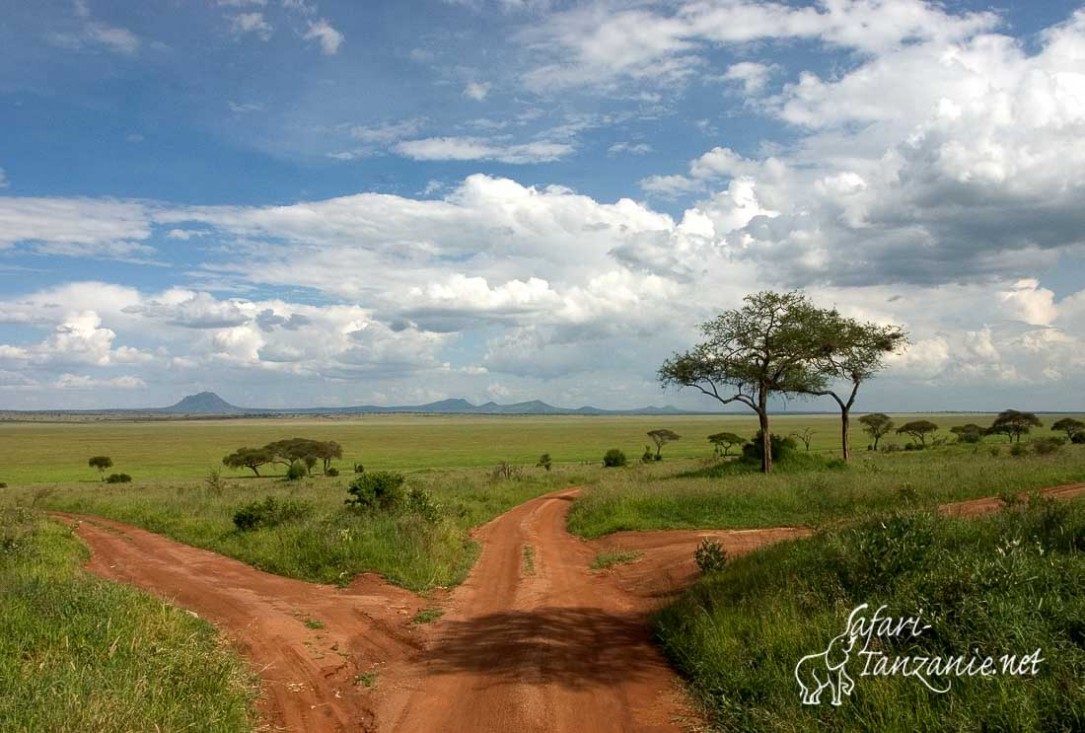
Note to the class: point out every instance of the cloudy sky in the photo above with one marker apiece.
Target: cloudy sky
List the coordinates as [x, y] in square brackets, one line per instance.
[332, 202]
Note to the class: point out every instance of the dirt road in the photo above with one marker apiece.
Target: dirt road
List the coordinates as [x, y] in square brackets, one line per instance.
[533, 640]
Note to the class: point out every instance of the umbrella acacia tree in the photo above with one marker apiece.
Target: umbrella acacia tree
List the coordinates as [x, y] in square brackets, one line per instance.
[851, 352]
[767, 347]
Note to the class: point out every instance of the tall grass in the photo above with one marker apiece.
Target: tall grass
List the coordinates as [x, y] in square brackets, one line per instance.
[82, 654]
[1009, 584]
[329, 543]
[736, 497]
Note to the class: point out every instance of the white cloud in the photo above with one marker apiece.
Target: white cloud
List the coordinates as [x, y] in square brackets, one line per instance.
[476, 90]
[329, 38]
[752, 75]
[596, 44]
[630, 148]
[254, 23]
[474, 148]
[76, 227]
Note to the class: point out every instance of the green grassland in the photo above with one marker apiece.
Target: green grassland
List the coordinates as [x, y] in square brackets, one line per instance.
[1007, 584]
[57, 452]
[82, 654]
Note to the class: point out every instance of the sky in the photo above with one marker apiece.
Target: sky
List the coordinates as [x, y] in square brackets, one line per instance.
[333, 202]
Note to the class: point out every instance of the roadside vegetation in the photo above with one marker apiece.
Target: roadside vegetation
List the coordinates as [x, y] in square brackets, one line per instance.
[1006, 584]
[82, 654]
[413, 529]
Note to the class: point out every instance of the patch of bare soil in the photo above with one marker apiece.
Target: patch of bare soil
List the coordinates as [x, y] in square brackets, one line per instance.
[533, 640]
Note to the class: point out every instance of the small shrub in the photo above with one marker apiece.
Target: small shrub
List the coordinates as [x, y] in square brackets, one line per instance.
[1018, 449]
[506, 471]
[296, 472]
[1047, 446]
[710, 556]
[421, 503]
[648, 456]
[118, 478]
[213, 481]
[333, 472]
[359, 468]
[544, 461]
[1078, 438]
[382, 491]
[614, 458]
[270, 512]
[3, 485]
[891, 448]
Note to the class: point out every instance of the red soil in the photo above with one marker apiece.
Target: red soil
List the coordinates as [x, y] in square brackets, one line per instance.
[533, 640]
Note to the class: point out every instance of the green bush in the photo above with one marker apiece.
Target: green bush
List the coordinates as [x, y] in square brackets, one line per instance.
[270, 512]
[118, 478]
[296, 472]
[1078, 439]
[421, 503]
[1047, 446]
[782, 447]
[359, 468]
[614, 458]
[648, 456]
[382, 491]
[710, 556]
[545, 462]
[333, 472]
[3, 485]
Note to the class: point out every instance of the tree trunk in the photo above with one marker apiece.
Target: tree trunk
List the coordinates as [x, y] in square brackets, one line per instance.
[844, 418]
[766, 438]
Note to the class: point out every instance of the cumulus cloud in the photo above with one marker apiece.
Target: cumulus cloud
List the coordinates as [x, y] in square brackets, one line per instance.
[76, 227]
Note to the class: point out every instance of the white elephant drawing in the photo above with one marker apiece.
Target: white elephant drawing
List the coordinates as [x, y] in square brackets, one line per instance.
[815, 672]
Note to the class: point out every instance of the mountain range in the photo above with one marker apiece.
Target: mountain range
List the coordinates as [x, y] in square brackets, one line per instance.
[209, 403]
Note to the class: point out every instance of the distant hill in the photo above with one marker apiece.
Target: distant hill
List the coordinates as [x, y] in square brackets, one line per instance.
[209, 403]
[204, 403]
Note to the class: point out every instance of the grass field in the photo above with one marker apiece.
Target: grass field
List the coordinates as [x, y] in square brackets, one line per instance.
[1005, 585]
[82, 654]
[39, 452]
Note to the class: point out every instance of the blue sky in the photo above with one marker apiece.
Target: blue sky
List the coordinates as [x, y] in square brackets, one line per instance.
[294, 202]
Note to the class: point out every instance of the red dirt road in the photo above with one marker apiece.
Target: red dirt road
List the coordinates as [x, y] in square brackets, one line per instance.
[533, 640]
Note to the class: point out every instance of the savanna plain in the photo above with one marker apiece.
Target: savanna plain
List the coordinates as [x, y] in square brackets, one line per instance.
[81, 653]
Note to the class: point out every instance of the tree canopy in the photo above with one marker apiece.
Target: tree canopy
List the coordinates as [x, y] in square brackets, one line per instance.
[918, 430]
[876, 424]
[723, 442]
[661, 437]
[1013, 424]
[766, 347]
[302, 451]
[1070, 426]
[781, 344]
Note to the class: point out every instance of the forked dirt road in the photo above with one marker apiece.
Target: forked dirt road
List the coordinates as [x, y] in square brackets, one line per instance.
[533, 640]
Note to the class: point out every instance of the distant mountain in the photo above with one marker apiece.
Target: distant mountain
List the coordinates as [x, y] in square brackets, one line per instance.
[209, 403]
[204, 403]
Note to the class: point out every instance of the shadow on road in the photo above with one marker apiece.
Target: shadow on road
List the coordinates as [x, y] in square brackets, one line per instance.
[572, 647]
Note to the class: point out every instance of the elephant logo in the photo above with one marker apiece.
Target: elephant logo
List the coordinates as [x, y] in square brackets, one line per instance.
[828, 669]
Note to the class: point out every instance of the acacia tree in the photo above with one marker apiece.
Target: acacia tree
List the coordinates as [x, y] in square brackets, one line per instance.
[876, 424]
[250, 458]
[724, 442]
[766, 347]
[1070, 426]
[101, 463]
[1014, 424]
[852, 352]
[661, 437]
[919, 430]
